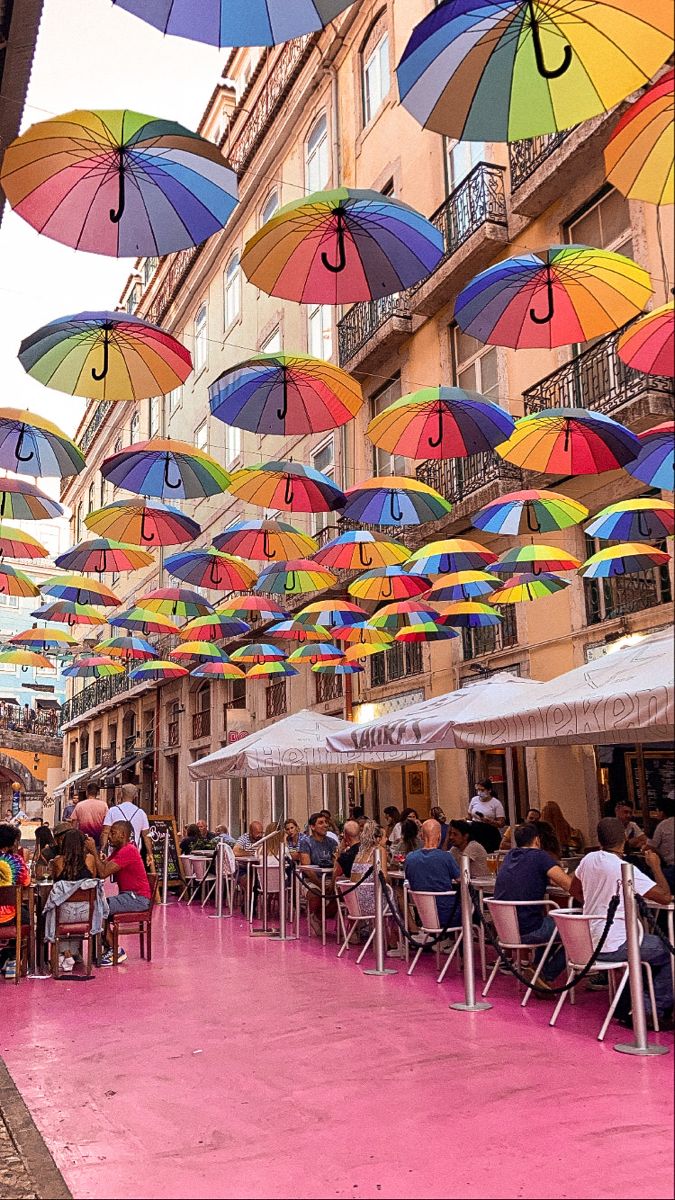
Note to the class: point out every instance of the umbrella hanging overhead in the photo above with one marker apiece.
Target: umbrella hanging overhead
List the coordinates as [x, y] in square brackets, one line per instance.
[30, 445]
[654, 463]
[330, 614]
[26, 658]
[425, 631]
[294, 577]
[143, 523]
[338, 668]
[293, 631]
[340, 247]
[118, 183]
[222, 23]
[286, 485]
[315, 653]
[103, 555]
[16, 544]
[553, 297]
[527, 586]
[211, 568]
[649, 344]
[363, 650]
[127, 649]
[160, 671]
[175, 602]
[68, 612]
[530, 511]
[477, 70]
[285, 395]
[468, 614]
[639, 154]
[264, 541]
[278, 670]
[634, 520]
[143, 621]
[394, 500]
[243, 607]
[463, 585]
[452, 554]
[96, 666]
[23, 501]
[626, 558]
[217, 670]
[205, 650]
[81, 589]
[536, 559]
[258, 652]
[569, 441]
[214, 627]
[105, 356]
[388, 583]
[164, 468]
[362, 634]
[402, 613]
[14, 583]
[359, 548]
[43, 639]
[440, 422]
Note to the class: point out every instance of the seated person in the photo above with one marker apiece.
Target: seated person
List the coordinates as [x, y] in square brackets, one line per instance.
[487, 834]
[76, 860]
[461, 842]
[245, 844]
[13, 873]
[191, 840]
[332, 831]
[595, 882]
[348, 848]
[571, 839]
[125, 866]
[548, 839]
[44, 843]
[409, 840]
[317, 849]
[439, 815]
[663, 840]
[223, 834]
[293, 838]
[204, 831]
[525, 874]
[431, 869]
[531, 817]
[636, 839]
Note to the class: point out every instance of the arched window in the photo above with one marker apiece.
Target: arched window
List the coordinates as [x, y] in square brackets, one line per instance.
[375, 78]
[201, 337]
[269, 207]
[134, 428]
[90, 499]
[78, 522]
[232, 282]
[317, 166]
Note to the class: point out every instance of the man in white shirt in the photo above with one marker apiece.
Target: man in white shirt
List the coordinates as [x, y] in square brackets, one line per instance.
[597, 879]
[129, 810]
[485, 806]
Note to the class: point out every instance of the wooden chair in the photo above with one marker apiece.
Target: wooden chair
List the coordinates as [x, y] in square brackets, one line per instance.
[136, 923]
[75, 929]
[20, 932]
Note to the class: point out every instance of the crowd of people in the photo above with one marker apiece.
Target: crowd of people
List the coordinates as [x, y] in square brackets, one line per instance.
[24, 718]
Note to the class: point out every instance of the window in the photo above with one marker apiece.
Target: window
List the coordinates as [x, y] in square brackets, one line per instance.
[320, 331]
[269, 207]
[78, 522]
[605, 224]
[476, 365]
[232, 444]
[154, 417]
[201, 438]
[375, 70]
[91, 498]
[317, 167]
[201, 338]
[385, 463]
[323, 459]
[101, 492]
[8, 601]
[272, 344]
[232, 285]
[461, 158]
[491, 638]
[175, 398]
[275, 696]
[8, 668]
[403, 659]
[607, 598]
[134, 428]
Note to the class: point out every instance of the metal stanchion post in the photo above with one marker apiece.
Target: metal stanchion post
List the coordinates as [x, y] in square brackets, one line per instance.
[470, 1004]
[220, 871]
[264, 931]
[165, 869]
[283, 935]
[379, 968]
[640, 1045]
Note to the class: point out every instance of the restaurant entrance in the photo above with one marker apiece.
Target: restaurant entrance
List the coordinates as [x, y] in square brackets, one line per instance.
[491, 764]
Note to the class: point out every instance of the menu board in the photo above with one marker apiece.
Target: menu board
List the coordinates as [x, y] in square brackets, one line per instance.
[158, 828]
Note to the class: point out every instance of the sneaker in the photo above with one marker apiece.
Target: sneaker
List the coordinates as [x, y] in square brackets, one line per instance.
[107, 959]
[10, 969]
[68, 963]
[395, 953]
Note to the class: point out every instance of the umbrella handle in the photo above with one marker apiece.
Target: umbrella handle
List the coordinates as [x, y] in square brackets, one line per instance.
[544, 71]
[98, 375]
[288, 491]
[267, 549]
[435, 442]
[396, 514]
[145, 536]
[167, 481]
[389, 595]
[643, 528]
[214, 574]
[548, 316]
[365, 562]
[341, 263]
[536, 528]
[17, 449]
[290, 581]
[116, 214]
[281, 412]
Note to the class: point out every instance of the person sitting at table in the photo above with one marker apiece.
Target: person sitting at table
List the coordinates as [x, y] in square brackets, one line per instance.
[409, 840]
[332, 830]
[438, 815]
[487, 834]
[223, 834]
[408, 814]
[549, 839]
[636, 839]
[393, 818]
[348, 848]
[526, 874]
[13, 873]
[531, 817]
[461, 842]
[571, 839]
[42, 857]
[244, 844]
[89, 814]
[75, 862]
[663, 840]
[317, 850]
[293, 838]
[431, 869]
[485, 806]
[204, 831]
[193, 840]
[125, 865]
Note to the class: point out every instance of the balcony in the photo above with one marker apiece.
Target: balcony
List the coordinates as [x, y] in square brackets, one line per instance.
[173, 734]
[328, 687]
[369, 332]
[201, 724]
[539, 164]
[100, 413]
[95, 694]
[276, 700]
[491, 638]
[460, 480]
[606, 599]
[402, 659]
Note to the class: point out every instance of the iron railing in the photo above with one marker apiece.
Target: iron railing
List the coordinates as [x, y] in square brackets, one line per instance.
[201, 724]
[457, 478]
[328, 687]
[277, 703]
[362, 321]
[393, 532]
[606, 599]
[399, 661]
[16, 719]
[100, 413]
[478, 200]
[490, 638]
[94, 694]
[526, 157]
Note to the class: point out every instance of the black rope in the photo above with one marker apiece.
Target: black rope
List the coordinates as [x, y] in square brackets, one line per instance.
[431, 939]
[651, 917]
[310, 887]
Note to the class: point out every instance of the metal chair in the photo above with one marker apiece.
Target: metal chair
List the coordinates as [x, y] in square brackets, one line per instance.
[351, 914]
[79, 928]
[190, 878]
[19, 931]
[430, 923]
[504, 915]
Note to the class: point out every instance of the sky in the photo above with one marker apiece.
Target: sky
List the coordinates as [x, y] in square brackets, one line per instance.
[90, 54]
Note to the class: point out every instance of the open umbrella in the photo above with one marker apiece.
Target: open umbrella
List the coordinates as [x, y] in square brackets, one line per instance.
[294, 631]
[278, 670]
[23, 501]
[14, 583]
[119, 183]
[285, 395]
[654, 462]
[337, 668]
[96, 666]
[649, 344]
[16, 544]
[294, 577]
[530, 511]
[315, 653]
[425, 631]
[43, 639]
[363, 650]
[210, 568]
[440, 422]
[143, 523]
[164, 468]
[175, 602]
[362, 634]
[359, 548]
[142, 621]
[243, 607]
[634, 520]
[452, 554]
[469, 614]
[569, 441]
[535, 559]
[626, 558]
[205, 650]
[26, 658]
[402, 613]
[258, 652]
[68, 612]
[103, 555]
[81, 589]
[639, 154]
[527, 586]
[476, 70]
[217, 670]
[330, 614]
[554, 297]
[30, 445]
[127, 649]
[286, 485]
[388, 583]
[463, 585]
[219, 23]
[160, 671]
[105, 356]
[214, 627]
[394, 500]
[264, 541]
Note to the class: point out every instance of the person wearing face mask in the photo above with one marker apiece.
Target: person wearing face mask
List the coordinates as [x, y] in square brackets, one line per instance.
[485, 806]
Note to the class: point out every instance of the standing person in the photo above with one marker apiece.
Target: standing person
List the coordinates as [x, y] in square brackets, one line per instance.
[461, 842]
[125, 865]
[129, 810]
[89, 814]
[13, 873]
[485, 806]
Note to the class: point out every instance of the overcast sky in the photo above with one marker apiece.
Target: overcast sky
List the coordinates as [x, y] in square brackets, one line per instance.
[89, 55]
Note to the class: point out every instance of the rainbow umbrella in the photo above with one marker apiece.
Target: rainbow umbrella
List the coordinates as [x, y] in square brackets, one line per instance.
[463, 585]
[141, 620]
[440, 422]
[265, 540]
[163, 467]
[363, 650]
[649, 344]
[143, 523]
[293, 631]
[469, 614]
[214, 627]
[535, 559]
[330, 614]
[97, 666]
[210, 568]
[217, 670]
[280, 670]
[340, 247]
[426, 631]
[403, 613]
[81, 589]
[105, 356]
[205, 650]
[258, 652]
[315, 653]
[341, 668]
[218, 23]
[555, 297]
[626, 558]
[286, 485]
[23, 501]
[476, 70]
[16, 544]
[68, 612]
[157, 672]
[175, 602]
[569, 441]
[359, 548]
[634, 520]
[362, 634]
[294, 577]
[26, 658]
[531, 511]
[639, 154]
[453, 554]
[528, 586]
[118, 183]
[654, 463]
[14, 583]
[388, 583]
[242, 607]
[285, 394]
[103, 555]
[126, 648]
[394, 500]
[30, 445]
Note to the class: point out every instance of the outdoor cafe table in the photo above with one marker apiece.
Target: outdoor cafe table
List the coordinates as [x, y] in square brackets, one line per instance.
[325, 874]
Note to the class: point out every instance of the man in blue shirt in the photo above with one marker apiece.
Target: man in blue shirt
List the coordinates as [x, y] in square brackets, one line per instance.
[525, 874]
[433, 870]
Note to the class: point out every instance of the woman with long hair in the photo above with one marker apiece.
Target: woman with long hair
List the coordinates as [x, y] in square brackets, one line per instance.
[409, 840]
[75, 862]
[41, 865]
[571, 839]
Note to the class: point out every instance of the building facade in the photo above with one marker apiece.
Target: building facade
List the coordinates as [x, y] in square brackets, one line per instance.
[312, 114]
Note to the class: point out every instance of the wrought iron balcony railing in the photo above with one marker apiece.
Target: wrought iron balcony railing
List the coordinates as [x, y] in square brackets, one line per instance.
[96, 693]
[328, 687]
[173, 734]
[478, 200]
[100, 412]
[363, 321]
[201, 724]
[526, 157]
[457, 478]
[277, 703]
[491, 638]
[606, 599]
[399, 661]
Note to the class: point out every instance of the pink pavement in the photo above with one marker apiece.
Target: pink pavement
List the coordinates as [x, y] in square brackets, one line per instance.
[240, 1067]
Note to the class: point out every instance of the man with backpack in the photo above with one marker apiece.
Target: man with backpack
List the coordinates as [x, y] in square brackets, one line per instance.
[128, 810]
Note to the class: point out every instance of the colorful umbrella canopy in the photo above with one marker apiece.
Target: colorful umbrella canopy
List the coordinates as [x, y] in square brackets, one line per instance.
[81, 589]
[16, 544]
[286, 485]
[219, 23]
[554, 297]
[341, 247]
[639, 154]
[426, 631]
[251, 606]
[654, 463]
[478, 71]
[23, 501]
[569, 441]
[214, 627]
[634, 520]
[43, 639]
[118, 183]
[30, 445]
[258, 652]
[285, 395]
[531, 511]
[340, 668]
[293, 631]
[265, 540]
[280, 670]
[452, 554]
[535, 559]
[330, 614]
[528, 586]
[649, 344]
[205, 650]
[394, 500]
[14, 583]
[126, 648]
[440, 422]
[626, 558]
[359, 548]
[103, 555]
[217, 670]
[315, 653]
[362, 634]
[26, 658]
[143, 523]
[463, 585]
[105, 356]
[163, 467]
[175, 602]
[157, 672]
[364, 650]
[470, 614]
[143, 621]
[294, 577]
[97, 666]
[388, 583]
[403, 613]
[68, 612]
[210, 568]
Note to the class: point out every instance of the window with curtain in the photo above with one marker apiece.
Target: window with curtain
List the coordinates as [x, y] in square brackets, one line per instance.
[375, 77]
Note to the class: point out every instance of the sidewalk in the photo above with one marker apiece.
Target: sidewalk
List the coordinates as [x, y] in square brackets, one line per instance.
[27, 1170]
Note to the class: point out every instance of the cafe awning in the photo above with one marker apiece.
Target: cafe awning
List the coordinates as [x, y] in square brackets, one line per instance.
[76, 777]
[46, 703]
[125, 764]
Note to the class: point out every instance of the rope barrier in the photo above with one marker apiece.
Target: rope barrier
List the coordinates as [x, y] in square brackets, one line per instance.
[431, 939]
[310, 887]
[651, 917]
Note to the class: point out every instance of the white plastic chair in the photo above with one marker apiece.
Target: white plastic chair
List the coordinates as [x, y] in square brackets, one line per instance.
[504, 915]
[230, 875]
[575, 934]
[351, 915]
[273, 888]
[191, 878]
[430, 923]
